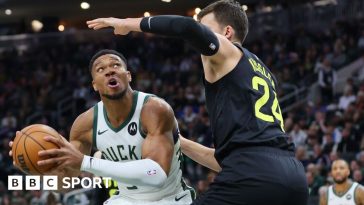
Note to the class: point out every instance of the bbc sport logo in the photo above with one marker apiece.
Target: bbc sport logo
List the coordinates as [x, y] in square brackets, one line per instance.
[15, 182]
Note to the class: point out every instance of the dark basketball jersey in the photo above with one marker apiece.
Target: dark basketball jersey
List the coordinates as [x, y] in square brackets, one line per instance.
[243, 108]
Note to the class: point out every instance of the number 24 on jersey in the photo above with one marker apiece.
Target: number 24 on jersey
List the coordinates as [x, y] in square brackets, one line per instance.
[262, 101]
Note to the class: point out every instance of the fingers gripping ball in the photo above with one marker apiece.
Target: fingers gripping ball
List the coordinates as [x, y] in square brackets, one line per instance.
[27, 143]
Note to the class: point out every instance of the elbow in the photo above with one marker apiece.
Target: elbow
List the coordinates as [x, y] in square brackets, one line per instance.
[156, 176]
[159, 183]
[184, 26]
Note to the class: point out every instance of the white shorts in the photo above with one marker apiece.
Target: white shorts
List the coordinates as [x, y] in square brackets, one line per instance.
[182, 198]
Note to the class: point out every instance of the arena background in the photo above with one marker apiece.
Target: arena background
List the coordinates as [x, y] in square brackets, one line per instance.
[45, 48]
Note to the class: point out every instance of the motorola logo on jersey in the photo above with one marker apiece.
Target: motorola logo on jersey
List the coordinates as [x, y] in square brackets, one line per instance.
[132, 128]
[348, 197]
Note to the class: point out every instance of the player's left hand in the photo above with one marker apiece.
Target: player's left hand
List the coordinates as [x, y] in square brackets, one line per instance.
[119, 25]
[67, 156]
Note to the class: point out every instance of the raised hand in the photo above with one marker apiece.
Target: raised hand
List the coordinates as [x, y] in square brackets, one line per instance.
[121, 26]
[118, 25]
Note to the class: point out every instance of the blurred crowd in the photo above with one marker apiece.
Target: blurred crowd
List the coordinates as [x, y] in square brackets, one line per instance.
[35, 81]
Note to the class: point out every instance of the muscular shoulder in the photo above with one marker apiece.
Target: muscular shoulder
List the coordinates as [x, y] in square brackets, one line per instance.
[359, 193]
[82, 126]
[157, 113]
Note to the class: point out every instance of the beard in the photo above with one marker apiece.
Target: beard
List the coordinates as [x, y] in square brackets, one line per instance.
[116, 96]
[340, 181]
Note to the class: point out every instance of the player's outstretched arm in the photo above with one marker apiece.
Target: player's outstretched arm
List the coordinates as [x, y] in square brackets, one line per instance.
[182, 27]
[221, 54]
[359, 193]
[200, 154]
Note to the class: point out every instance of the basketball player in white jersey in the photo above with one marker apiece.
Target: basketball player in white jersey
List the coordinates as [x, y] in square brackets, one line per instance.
[137, 134]
[344, 191]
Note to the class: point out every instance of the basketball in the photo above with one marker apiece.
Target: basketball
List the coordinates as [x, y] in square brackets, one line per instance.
[27, 143]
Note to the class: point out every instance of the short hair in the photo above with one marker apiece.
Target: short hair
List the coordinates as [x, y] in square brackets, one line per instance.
[343, 160]
[104, 52]
[228, 12]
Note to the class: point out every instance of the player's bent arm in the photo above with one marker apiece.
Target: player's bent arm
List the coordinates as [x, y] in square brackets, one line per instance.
[81, 135]
[157, 151]
[323, 198]
[359, 193]
[80, 138]
[81, 132]
[200, 154]
[158, 122]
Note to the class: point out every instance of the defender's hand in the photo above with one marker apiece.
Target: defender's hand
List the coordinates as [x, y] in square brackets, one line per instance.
[67, 156]
[119, 25]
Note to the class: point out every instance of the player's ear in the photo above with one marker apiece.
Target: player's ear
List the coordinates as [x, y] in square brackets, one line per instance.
[229, 32]
[129, 76]
[94, 86]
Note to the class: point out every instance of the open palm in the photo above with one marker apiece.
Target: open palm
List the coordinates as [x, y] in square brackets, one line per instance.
[118, 25]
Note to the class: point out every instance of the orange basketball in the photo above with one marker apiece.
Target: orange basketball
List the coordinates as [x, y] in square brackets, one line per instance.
[28, 143]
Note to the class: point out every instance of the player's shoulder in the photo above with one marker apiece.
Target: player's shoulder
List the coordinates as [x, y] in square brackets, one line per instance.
[84, 122]
[156, 105]
[323, 193]
[359, 193]
[157, 112]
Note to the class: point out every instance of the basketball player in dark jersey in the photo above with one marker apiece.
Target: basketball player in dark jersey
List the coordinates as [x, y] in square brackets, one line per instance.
[256, 164]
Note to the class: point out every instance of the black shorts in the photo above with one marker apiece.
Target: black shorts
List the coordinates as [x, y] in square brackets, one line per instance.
[258, 176]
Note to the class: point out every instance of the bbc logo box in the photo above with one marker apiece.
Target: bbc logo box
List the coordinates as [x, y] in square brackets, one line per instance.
[16, 182]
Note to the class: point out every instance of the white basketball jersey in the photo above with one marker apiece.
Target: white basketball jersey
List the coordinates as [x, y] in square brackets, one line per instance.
[124, 143]
[347, 199]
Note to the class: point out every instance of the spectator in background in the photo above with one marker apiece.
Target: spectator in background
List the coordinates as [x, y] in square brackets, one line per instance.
[189, 116]
[359, 105]
[9, 121]
[4, 200]
[354, 165]
[298, 136]
[361, 159]
[361, 41]
[327, 80]
[334, 131]
[302, 156]
[347, 98]
[8, 125]
[81, 94]
[36, 198]
[319, 158]
[317, 181]
[328, 143]
[339, 56]
[348, 143]
[358, 177]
